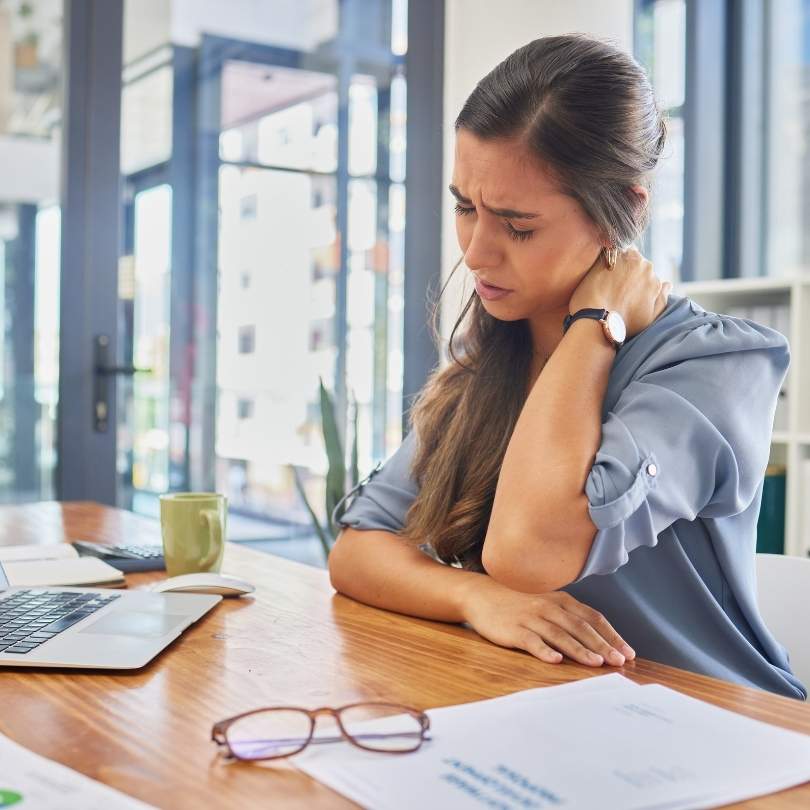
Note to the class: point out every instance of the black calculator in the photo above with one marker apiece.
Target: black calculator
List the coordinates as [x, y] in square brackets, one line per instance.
[126, 557]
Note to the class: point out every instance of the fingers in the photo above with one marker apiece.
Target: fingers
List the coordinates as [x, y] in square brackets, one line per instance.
[602, 626]
[588, 637]
[560, 638]
[535, 645]
[559, 623]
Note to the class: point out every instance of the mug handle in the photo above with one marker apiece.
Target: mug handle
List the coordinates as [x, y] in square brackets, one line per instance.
[212, 518]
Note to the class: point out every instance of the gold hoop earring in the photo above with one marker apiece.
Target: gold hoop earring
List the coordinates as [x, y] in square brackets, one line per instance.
[611, 254]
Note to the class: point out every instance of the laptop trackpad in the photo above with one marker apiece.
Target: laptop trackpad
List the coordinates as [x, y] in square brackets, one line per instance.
[133, 623]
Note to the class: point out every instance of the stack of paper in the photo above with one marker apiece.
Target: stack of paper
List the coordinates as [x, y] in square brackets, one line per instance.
[600, 742]
[33, 566]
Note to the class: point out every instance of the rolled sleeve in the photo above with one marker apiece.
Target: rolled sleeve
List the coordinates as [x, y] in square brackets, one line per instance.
[382, 500]
[609, 512]
[689, 438]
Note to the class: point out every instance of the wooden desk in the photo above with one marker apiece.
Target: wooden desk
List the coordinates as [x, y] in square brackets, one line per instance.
[147, 732]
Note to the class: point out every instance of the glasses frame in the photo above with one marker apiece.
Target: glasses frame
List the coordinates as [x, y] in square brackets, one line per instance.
[219, 731]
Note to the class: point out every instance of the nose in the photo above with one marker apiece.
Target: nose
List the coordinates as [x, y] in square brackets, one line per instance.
[482, 250]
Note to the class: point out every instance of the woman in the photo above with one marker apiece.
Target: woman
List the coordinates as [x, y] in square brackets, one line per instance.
[579, 490]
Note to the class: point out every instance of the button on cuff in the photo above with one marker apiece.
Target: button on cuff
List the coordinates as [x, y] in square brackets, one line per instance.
[607, 515]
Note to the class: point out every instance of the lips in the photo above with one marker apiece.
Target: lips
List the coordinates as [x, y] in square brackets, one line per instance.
[489, 292]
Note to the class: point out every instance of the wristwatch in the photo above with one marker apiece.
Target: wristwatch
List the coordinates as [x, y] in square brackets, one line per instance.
[612, 324]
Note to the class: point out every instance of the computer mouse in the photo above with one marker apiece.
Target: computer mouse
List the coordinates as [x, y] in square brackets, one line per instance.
[204, 583]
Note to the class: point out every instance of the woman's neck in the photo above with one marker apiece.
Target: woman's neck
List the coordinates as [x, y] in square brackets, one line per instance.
[547, 332]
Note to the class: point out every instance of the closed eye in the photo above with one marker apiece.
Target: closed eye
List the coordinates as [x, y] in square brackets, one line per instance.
[520, 236]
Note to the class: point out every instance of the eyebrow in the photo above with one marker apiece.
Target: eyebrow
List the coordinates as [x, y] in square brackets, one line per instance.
[509, 213]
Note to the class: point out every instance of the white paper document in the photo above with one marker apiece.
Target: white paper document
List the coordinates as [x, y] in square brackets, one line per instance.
[597, 743]
[31, 782]
[84, 571]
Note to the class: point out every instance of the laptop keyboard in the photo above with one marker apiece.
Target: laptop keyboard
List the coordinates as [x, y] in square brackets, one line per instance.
[30, 618]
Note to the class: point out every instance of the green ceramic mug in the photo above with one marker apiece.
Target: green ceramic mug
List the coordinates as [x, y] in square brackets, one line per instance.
[193, 529]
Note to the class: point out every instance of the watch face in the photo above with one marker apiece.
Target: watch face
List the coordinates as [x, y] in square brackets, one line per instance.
[615, 323]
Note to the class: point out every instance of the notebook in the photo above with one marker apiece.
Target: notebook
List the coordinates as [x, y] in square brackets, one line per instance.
[35, 566]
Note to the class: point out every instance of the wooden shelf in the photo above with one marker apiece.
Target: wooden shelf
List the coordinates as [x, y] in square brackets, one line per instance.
[791, 443]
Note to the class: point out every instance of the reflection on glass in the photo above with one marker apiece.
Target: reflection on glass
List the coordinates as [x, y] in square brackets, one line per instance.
[267, 406]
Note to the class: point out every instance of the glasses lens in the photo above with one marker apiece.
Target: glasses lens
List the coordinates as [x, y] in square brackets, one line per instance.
[381, 727]
[272, 733]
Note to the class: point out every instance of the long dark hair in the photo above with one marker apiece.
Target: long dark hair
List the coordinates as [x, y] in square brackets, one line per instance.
[586, 109]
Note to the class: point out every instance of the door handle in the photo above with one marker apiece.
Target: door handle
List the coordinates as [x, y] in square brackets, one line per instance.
[102, 371]
[126, 371]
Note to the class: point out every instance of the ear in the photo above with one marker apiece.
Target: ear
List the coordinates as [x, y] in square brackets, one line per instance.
[641, 193]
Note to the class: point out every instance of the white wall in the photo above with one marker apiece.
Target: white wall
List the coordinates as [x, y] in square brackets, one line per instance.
[478, 35]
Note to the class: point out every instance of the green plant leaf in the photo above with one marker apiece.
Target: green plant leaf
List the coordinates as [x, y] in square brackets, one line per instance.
[315, 522]
[336, 474]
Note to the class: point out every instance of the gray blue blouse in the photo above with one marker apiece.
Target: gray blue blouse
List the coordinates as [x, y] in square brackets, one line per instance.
[674, 492]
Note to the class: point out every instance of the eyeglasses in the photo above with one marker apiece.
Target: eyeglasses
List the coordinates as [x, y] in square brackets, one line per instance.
[281, 731]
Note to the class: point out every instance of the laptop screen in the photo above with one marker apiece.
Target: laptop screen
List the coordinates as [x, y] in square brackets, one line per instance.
[3, 579]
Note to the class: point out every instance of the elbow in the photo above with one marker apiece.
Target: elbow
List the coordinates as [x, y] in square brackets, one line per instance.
[538, 563]
[519, 568]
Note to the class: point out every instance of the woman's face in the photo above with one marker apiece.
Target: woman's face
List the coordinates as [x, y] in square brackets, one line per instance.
[540, 260]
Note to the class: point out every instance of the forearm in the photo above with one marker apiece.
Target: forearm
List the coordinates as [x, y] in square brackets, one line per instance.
[382, 569]
[539, 513]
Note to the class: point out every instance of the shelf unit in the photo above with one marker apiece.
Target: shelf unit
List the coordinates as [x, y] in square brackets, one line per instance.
[790, 441]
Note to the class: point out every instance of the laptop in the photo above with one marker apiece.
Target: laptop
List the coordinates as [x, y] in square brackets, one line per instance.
[91, 627]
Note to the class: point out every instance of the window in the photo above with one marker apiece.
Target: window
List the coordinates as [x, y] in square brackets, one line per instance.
[273, 227]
